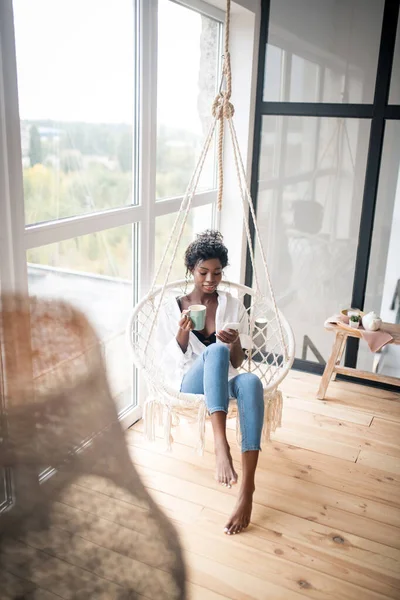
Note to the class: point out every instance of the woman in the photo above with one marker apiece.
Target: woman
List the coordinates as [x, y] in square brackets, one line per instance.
[205, 362]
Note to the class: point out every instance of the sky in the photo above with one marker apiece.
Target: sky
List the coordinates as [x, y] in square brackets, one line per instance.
[75, 61]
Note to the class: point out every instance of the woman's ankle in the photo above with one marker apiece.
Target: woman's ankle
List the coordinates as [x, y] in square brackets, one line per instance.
[221, 443]
[247, 489]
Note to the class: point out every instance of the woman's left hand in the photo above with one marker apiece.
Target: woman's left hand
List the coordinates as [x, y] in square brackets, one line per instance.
[228, 336]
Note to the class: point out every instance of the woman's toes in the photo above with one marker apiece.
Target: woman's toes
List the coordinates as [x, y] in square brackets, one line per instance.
[227, 528]
[232, 530]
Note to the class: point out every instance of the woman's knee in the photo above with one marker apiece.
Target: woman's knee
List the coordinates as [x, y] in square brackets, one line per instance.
[250, 390]
[250, 381]
[217, 350]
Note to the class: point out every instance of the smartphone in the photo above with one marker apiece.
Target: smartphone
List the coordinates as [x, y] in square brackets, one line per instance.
[234, 326]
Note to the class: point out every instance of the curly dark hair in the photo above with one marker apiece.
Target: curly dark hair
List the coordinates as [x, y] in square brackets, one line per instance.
[208, 244]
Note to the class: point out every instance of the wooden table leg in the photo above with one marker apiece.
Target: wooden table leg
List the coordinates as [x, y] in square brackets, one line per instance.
[340, 354]
[330, 365]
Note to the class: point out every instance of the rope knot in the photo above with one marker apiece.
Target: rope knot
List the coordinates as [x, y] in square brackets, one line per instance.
[222, 108]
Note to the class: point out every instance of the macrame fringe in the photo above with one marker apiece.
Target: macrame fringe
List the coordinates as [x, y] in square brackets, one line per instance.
[149, 418]
[201, 419]
[273, 404]
[155, 411]
[168, 429]
[167, 418]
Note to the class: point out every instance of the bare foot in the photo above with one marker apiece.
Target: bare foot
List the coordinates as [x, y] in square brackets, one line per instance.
[240, 518]
[225, 473]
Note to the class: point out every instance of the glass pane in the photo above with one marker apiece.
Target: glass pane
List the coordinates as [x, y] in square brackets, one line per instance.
[94, 272]
[394, 95]
[309, 207]
[188, 59]
[199, 219]
[383, 286]
[76, 76]
[323, 51]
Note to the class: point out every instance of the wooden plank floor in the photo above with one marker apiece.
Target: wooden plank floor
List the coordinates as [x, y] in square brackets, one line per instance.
[326, 518]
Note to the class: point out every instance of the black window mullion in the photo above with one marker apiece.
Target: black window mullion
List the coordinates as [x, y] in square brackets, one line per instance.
[265, 10]
[382, 87]
[392, 111]
[317, 109]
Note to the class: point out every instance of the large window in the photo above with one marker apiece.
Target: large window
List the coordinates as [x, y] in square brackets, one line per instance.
[114, 99]
[322, 51]
[76, 104]
[327, 164]
[78, 121]
[309, 208]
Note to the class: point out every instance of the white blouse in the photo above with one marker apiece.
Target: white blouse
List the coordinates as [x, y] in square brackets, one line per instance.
[175, 363]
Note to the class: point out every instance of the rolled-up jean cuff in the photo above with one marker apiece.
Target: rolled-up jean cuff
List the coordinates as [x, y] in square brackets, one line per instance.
[251, 449]
[221, 409]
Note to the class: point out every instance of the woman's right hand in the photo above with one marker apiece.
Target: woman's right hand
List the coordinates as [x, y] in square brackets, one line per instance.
[186, 323]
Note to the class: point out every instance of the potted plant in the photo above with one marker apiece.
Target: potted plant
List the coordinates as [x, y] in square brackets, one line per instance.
[354, 321]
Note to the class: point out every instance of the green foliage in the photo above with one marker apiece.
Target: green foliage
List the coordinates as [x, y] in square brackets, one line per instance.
[71, 160]
[176, 159]
[86, 167]
[355, 318]
[35, 146]
[52, 193]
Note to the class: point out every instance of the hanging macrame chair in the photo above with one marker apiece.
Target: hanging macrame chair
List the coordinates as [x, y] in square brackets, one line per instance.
[271, 351]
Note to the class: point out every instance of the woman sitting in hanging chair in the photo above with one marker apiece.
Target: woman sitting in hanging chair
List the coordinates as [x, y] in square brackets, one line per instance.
[205, 362]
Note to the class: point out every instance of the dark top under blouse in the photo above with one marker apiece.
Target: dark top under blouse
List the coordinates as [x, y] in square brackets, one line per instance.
[206, 340]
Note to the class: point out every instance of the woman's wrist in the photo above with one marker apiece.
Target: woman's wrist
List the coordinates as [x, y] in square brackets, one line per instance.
[236, 341]
[182, 337]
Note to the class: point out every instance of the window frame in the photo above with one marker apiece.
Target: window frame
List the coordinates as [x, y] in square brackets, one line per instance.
[378, 111]
[17, 237]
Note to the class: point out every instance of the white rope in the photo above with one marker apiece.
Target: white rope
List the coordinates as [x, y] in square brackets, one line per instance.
[238, 158]
[244, 207]
[190, 191]
[188, 201]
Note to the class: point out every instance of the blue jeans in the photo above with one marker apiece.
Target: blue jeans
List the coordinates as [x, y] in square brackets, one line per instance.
[209, 376]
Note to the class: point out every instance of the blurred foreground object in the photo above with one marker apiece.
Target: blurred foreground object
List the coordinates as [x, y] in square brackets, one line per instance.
[89, 529]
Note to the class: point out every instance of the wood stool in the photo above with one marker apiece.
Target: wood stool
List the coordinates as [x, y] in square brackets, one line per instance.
[333, 367]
